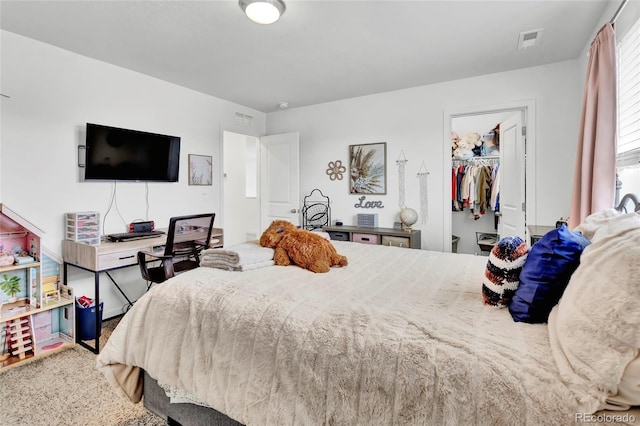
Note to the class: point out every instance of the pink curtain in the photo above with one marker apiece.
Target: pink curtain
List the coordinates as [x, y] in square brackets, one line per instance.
[595, 173]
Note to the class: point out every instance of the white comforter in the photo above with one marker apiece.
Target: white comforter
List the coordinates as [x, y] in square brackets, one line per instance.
[398, 337]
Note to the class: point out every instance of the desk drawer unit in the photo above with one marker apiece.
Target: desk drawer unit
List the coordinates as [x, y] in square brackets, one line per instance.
[83, 227]
[365, 238]
[339, 236]
[390, 240]
[107, 256]
[117, 259]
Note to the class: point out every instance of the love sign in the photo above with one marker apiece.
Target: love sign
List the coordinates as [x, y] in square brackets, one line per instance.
[368, 204]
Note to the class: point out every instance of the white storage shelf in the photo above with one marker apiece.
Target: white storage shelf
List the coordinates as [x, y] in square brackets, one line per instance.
[83, 227]
[385, 236]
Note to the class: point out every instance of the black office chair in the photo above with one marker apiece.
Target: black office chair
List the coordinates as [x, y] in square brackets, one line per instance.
[186, 238]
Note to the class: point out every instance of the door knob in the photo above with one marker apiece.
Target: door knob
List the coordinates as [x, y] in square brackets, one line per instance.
[293, 211]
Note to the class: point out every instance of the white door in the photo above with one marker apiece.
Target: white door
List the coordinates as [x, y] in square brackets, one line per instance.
[512, 178]
[279, 179]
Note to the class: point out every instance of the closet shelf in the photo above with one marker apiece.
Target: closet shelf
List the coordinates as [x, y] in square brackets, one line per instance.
[477, 160]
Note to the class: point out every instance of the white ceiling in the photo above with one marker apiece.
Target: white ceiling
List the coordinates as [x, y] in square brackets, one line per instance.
[319, 51]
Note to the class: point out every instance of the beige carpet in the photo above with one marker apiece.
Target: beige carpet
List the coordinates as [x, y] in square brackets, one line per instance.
[66, 389]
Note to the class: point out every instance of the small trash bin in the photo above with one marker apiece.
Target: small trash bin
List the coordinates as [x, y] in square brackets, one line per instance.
[86, 321]
[454, 244]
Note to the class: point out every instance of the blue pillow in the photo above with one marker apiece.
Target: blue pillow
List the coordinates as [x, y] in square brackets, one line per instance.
[546, 273]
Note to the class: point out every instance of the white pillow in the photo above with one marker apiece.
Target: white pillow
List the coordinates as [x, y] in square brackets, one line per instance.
[591, 223]
[594, 329]
[628, 393]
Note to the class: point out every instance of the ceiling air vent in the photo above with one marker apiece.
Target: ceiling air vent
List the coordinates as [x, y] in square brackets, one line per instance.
[529, 38]
[244, 119]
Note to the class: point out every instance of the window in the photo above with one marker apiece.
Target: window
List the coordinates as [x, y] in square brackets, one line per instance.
[628, 160]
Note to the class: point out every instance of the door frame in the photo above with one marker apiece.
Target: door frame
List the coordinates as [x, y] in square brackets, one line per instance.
[250, 214]
[221, 168]
[245, 131]
[528, 106]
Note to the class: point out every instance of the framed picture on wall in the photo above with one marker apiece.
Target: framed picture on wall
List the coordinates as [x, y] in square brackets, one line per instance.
[368, 168]
[200, 169]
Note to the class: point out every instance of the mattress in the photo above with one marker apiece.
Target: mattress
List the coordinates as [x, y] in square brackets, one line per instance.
[397, 337]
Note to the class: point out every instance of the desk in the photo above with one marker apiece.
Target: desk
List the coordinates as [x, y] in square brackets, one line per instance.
[104, 258]
[537, 231]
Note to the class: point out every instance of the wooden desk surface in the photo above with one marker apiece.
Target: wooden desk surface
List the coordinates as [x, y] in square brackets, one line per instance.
[109, 255]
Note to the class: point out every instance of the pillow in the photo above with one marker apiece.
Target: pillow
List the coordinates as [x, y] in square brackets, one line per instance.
[627, 393]
[545, 274]
[591, 223]
[594, 330]
[503, 268]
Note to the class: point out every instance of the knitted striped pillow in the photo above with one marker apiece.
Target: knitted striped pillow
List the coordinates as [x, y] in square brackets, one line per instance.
[501, 278]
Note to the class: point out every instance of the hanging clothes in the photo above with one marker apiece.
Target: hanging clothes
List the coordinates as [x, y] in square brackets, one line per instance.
[483, 185]
[457, 175]
[495, 188]
[475, 186]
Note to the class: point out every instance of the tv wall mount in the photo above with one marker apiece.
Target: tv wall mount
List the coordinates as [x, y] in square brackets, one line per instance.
[82, 150]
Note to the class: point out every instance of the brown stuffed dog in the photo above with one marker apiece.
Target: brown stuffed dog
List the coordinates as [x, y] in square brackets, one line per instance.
[304, 248]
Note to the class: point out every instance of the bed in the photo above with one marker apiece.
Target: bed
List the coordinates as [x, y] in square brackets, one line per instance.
[398, 337]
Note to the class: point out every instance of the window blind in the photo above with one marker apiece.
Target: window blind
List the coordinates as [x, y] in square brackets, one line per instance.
[629, 99]
[629, 158]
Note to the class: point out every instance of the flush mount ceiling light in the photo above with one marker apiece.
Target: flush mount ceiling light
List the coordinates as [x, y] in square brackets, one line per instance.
[263, 11]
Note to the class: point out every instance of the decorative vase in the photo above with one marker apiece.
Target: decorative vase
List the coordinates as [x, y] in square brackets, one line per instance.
[408, 217]
[13, 299]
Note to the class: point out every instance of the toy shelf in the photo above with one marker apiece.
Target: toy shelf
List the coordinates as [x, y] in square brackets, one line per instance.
[18, 267]
[58, 344]
[42, 321]
[7, 308]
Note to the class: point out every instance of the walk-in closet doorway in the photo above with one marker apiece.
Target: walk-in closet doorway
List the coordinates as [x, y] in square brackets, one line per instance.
[516, 160]
[240, 187]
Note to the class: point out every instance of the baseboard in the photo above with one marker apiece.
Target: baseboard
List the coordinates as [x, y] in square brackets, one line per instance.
[112, 313]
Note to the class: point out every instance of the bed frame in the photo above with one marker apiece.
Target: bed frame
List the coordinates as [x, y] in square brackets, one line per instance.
[629, 198]
[156, 401]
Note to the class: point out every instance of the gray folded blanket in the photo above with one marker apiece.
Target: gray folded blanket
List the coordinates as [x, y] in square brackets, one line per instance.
[240, 257]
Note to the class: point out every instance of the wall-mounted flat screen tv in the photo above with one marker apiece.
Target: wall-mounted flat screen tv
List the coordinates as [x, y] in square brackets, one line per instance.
[121, 154]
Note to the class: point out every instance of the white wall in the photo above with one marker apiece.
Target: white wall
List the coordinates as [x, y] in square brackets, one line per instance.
[412, 121]
[480, 123]
[53, 94]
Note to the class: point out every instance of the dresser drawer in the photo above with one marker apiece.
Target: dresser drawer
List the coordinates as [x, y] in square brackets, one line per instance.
[339, 236]
[390, 240]
[365, 238]
[117, 259]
